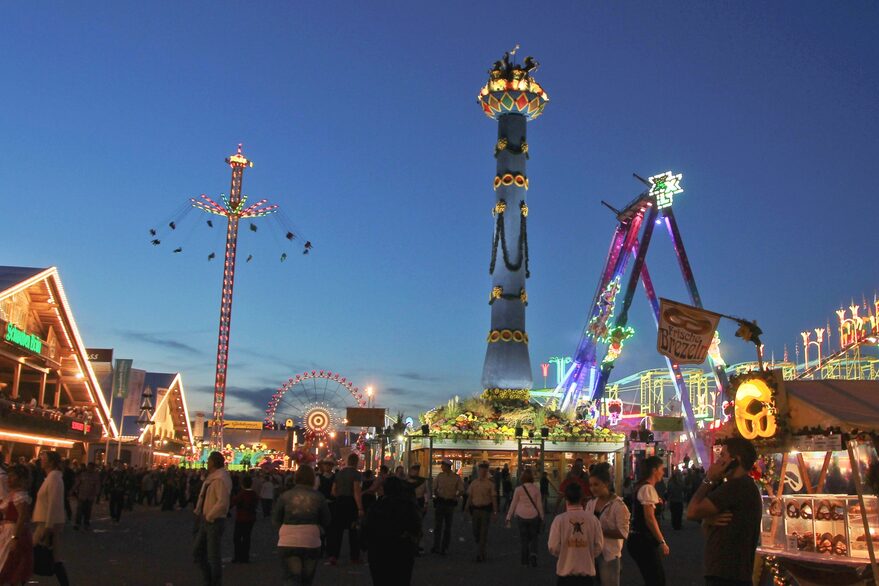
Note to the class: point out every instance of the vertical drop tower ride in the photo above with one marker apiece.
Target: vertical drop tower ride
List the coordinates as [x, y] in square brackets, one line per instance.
[511, 97]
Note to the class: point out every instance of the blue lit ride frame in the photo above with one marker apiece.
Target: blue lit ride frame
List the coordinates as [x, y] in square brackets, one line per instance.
[590, 371]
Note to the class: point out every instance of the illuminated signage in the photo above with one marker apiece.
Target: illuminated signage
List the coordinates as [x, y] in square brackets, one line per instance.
[664, 187]
[230, 424]
[23, 339]
[80, 426]
[754, 410]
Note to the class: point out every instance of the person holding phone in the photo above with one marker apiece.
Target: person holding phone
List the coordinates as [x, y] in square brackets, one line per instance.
[646, 544]
[729, 501]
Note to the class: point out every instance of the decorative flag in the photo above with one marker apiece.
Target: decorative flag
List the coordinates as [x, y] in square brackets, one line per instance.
[685, 332]
[121, 374]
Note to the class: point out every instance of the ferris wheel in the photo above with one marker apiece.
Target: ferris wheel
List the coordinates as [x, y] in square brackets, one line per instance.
[315, 400]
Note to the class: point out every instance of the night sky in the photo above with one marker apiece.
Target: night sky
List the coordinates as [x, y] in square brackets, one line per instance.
[364, 127]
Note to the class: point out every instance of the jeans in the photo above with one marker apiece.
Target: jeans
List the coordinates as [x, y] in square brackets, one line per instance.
[241, 540]
[442, 525]
[207, 550]
[298, 564]
[344, 516]
[648, 557]
[481, 521]
[677, 513]
[608, 572]
[575, 581]
[117, 500]
[528, 530]
[83, 512]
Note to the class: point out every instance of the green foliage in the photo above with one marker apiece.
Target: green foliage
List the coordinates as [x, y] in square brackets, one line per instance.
[479, 407]
[539, 417]
[452, 409]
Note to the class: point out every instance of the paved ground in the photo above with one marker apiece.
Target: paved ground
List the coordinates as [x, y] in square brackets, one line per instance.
[152, 548]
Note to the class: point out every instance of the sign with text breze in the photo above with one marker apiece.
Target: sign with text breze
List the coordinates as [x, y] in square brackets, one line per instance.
[685, 332]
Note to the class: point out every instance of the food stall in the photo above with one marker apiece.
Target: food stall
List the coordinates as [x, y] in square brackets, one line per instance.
[819, 472]
[517, 436]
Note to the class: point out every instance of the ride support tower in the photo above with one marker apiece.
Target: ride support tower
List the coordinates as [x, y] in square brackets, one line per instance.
[512, 97]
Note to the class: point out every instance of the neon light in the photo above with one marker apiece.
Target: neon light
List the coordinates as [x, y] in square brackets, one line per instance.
[597, 327]
[40, 439]
[615, 339]
[664, 187]
[23, 339]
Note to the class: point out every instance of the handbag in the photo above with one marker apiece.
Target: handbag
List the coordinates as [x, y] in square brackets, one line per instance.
[533, 504]
[44, 560]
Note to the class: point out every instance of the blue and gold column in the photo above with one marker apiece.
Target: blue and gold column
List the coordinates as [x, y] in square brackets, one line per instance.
[511, 97]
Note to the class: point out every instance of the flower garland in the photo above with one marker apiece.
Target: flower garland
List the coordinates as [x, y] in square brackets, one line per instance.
[517, 336]
[523, 395]
[503, 144]
[497, 292]
[500, 236]
[779, 575]
[508, 179]
[765, 472]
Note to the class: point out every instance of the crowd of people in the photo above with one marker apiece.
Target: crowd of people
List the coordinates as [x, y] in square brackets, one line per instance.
[382, 514]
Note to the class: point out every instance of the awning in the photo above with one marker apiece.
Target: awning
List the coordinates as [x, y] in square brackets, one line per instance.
[847, 404]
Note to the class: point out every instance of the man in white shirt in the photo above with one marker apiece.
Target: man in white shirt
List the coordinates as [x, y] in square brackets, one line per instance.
[211, 510]
[49, 516]
[575, 537]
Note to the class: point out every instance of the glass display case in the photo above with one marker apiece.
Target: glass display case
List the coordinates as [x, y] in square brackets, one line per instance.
[818, 525]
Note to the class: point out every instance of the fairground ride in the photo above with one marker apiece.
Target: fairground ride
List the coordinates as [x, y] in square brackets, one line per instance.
[174, 233]
[607, 327]
[316, 401]
[855, 356]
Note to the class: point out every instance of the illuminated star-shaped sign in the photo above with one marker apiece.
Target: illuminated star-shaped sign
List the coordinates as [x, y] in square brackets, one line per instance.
[664, 187]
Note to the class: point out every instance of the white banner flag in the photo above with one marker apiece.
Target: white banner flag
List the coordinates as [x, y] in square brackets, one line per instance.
[685, 332]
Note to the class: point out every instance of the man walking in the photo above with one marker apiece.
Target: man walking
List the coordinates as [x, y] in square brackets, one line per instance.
[482, 503]
[85, 488]
[729, 495]
[210, 510]
[448, 486]
[346, 511]
[49, 515]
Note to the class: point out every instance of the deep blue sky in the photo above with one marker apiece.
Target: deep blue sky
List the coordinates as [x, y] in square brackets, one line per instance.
[363, 125]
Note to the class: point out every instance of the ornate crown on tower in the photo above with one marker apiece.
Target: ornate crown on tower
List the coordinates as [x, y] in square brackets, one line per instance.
[512, 90]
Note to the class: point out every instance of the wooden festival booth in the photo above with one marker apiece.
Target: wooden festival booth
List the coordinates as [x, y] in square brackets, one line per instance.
[553, 456]
[819, 471]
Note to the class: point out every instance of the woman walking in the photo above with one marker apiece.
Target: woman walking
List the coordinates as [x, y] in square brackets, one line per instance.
[646, 545]
[16, 545]
[613, 516]
[301, 514]
[527, 507]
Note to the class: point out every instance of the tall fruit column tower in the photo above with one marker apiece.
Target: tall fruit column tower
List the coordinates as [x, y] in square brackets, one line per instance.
[511, 97]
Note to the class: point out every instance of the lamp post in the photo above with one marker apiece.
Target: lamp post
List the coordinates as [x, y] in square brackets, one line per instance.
[369, 396]
[145, 419]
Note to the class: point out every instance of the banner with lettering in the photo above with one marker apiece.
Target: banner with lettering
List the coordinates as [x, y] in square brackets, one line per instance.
[121, 374]
[685, 332]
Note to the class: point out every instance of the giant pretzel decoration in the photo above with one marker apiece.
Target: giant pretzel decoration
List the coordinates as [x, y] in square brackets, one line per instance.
[754, 419]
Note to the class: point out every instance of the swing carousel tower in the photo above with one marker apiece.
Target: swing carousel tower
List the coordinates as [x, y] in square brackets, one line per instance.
[512, 97]
[234, 210]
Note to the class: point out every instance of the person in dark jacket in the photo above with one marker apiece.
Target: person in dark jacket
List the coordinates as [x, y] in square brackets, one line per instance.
[301, 514]
[245, 503]
[392, 532]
